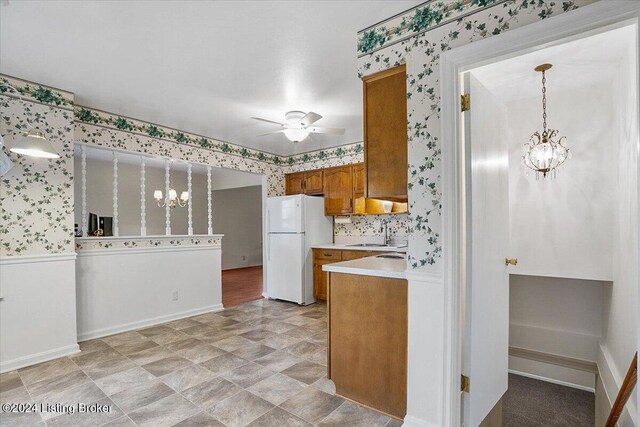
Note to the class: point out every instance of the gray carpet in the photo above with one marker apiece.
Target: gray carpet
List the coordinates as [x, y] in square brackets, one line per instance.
[530, 402]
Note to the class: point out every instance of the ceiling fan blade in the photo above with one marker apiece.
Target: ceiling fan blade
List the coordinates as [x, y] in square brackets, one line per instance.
[309, 119]
[307, 139]
[271, 133]
[268, 121]
[333, 131]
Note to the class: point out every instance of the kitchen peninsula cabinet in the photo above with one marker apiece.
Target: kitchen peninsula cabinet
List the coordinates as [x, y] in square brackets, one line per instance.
[385, 134]
[367, 351]
[327, 256]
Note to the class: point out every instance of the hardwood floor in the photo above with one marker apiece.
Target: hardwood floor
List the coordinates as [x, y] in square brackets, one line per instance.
[241, 285]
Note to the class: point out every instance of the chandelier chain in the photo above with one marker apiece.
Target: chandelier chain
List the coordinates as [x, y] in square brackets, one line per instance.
[544, 103]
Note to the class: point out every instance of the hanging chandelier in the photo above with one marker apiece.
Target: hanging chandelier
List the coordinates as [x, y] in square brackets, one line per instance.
[171, 199]
[545, 152]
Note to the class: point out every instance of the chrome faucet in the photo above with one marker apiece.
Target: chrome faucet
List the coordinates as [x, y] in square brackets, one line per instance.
[385, 228]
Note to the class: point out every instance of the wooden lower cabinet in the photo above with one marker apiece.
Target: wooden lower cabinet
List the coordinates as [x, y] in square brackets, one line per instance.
[367, 353]
[327, 256]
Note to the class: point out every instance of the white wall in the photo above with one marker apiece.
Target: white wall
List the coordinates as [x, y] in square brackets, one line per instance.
[620, 338]
[562, 227]
[38, 315]
[115, 294]
[556, 316]
[238, 215]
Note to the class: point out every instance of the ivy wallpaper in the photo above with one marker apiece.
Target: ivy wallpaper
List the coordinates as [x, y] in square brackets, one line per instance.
[36, 195]
[418, 38]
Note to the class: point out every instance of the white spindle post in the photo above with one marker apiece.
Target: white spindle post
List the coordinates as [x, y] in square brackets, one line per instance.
[167, 209]
[209, 217]
[189, 206]
[115, 194]
[143, 207]
[85, 227]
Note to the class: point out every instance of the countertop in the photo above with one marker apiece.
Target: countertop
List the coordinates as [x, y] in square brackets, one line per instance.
[370, 266]
[351, 247]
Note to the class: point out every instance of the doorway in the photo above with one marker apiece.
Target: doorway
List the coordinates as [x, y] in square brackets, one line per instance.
[572, 231]
[237, 199]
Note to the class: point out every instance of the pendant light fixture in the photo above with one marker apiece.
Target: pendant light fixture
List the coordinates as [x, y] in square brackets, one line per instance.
[545, 152]
[35, 144]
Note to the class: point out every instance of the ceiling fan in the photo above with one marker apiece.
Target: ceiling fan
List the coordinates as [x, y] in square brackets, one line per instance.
[297, 126]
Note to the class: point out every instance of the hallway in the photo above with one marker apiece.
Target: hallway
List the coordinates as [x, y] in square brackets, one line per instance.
[241, 285]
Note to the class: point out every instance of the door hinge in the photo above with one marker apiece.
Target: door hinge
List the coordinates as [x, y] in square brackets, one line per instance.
[465, 102]
[465, 383]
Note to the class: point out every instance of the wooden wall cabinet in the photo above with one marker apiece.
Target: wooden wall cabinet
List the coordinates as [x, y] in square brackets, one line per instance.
[385, 134]
[343, 187]
[294, 183]
[309, 183]
[338, 190]
[327, 256]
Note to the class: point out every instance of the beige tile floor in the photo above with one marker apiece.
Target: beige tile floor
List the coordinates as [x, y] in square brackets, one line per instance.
[262, 363]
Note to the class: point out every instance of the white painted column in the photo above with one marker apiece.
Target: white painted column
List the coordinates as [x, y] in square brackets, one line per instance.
[167, 209]
[115, 194]
[209, 216]
[85, 219]
[143, 207]
[189, 206]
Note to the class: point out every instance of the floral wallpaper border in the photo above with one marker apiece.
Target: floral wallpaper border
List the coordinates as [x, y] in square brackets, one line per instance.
[432, 14]
[89, 243]
[35, 92]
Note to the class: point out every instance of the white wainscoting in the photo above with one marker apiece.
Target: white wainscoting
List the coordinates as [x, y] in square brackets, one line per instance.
[120, 289]
[37, 309]
[427, 346]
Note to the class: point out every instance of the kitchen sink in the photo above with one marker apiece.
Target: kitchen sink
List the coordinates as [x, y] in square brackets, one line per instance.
[391, 256]
[378, 245]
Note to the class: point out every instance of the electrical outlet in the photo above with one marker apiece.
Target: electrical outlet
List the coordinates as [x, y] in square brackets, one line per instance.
[244, 258]
[175, 295]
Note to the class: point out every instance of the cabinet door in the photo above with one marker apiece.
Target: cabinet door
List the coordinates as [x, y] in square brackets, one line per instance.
[358, 180]
[313, 182]
[385, 134]
[320, 279]
[349, 255]
[294, 183]
[338, 190]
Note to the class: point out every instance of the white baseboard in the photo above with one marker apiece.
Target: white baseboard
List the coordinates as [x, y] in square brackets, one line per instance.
[410, 421]
[34, 359]
[99, 333]
[553, 381]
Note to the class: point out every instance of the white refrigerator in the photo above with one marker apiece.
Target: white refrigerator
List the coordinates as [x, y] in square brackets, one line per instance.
[294, 225]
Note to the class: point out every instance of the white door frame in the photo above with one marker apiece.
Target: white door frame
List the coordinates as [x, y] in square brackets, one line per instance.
[588, 20]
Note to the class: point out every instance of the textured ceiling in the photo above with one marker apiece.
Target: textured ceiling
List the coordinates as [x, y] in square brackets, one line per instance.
[201, 66]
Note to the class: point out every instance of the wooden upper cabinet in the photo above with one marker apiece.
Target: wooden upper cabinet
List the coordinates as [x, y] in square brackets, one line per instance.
[313, 182]
[309, 182]
[358, 180]
[385, 134]
[294, 183]
[338, 190]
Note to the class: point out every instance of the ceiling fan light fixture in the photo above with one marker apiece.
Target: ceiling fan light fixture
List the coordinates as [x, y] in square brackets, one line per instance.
[296, 135]
[35, 144]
